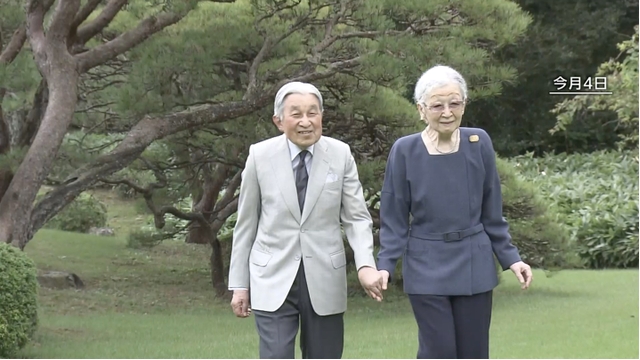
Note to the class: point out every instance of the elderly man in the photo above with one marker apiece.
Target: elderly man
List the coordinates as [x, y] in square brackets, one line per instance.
[288, 253]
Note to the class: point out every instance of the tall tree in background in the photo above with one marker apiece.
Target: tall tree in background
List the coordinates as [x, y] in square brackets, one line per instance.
[567, 38]
[622, 81]
[61, 55]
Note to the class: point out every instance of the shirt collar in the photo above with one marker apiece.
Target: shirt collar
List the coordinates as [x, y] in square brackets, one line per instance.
[294, 150]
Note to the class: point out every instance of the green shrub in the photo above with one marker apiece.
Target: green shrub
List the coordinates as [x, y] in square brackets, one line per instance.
[543, 242]
[144, 238]
[596, 198]
[80, 215]
[140, 206]
[18, 300]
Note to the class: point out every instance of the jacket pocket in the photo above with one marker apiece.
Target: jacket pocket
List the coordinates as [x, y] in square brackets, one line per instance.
[333, 185]
[338, 259]
[259, 258]
[417, 247]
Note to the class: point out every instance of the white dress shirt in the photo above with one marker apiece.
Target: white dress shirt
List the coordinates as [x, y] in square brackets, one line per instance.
[294, 150]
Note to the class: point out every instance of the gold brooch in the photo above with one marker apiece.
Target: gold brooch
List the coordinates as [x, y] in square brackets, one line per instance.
[474, 138]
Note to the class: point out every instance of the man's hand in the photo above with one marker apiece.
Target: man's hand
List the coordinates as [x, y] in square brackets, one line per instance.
[371, 281]
[240, 303]
[523, 273]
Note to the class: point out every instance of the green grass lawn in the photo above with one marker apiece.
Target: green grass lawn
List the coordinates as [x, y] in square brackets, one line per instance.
[158, 303]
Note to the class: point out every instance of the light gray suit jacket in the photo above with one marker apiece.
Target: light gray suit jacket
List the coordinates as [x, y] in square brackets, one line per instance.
[272, 236]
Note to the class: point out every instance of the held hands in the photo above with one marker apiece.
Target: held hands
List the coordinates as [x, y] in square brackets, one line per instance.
[523, 273]
[371, 281]
[240, 303]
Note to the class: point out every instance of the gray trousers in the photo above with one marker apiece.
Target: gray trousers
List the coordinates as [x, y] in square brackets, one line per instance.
[453, 327]
[321, 337]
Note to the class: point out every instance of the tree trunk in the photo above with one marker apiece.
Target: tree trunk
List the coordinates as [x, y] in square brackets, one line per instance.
[60, 70]
[204, 200]
[18, 129]
[195, 235]
[206, 197]
[5, 146]
[217, 267]
[29, 122]
[5, 179]
[223, 208]
[16, 204]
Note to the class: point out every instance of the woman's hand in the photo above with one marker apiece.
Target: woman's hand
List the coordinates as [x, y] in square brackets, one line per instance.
[523, 273]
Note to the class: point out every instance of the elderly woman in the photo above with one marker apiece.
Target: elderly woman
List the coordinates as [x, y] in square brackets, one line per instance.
[441, 206]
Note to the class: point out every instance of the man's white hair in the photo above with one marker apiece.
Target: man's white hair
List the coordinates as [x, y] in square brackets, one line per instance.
[294, 87]
[435, 77]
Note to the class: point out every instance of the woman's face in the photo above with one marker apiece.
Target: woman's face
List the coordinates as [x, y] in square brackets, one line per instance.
[443, 109]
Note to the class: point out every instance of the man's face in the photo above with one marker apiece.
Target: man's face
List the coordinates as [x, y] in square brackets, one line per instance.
[302, 119]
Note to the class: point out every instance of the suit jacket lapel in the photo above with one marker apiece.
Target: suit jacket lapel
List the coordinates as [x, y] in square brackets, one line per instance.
[281, 163]
[317, 178]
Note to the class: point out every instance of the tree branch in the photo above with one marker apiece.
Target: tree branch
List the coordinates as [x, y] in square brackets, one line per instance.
[5, 140]
[84, 13]
[35, 27]
[280, 8]
[137, 188]
[190, 216]
[96, 25]
[14, 46]
[224, 214]
[158, 213]
[212, 186]
[229, 192]
[271, 75]
[328, 39]
[63, 15]
[267, 46]
[253, 70]
[126, 41]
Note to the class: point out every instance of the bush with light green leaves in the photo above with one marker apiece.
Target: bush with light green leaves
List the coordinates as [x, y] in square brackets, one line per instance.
[595, 196]
[543, 242]
[85, 212]
[18, 300]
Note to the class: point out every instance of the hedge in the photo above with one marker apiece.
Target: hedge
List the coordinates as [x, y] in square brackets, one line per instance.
[18, 300]
[595, 197]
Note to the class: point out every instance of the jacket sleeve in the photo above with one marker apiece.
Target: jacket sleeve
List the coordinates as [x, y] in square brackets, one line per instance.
[495, 225]
[356, 220]
[394, 211]
[244, 233]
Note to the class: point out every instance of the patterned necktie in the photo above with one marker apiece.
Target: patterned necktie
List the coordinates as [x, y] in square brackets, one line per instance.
[302, 178]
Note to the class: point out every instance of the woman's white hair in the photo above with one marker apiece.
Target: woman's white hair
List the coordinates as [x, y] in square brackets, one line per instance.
[294, 87]
[435, 77]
